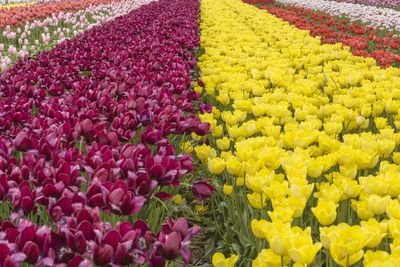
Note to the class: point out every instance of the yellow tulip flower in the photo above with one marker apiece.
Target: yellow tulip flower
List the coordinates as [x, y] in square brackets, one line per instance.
[219, 260]
[187, 147]
[204, 152]
[373, 230]
[268, 258]
[303, 250]
[325, 211]
[227, 189]
[362, 208]
[223, 143]
[216, 165]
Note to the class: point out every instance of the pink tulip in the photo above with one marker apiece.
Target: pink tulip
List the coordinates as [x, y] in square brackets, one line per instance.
[12, 50]
[4, 67]
[8, 61]
[1, 47]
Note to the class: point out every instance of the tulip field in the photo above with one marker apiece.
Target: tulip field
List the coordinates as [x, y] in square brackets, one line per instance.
[200, 133]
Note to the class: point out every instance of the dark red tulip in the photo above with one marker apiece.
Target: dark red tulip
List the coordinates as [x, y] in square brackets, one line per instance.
[77, 242]
[103, 255]
[4, 253]
[31, 250]
[170, 249]
[86, 127]
[202, 190]
[151, 136]
[203, 128]
[22, 141]
[3, 186]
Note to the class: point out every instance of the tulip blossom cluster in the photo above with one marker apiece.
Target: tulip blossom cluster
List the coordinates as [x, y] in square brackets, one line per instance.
[304, 144]
[377, 17]
[362, 41]
[19, 42]
[84, 133]
[380, 3]
[17, 16]
[259, 2]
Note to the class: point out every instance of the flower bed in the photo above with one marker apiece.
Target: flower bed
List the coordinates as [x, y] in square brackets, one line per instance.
[363, 41]
[84, 150]
[304, 151]
[39, 35]
[379, 18]
[380, 3]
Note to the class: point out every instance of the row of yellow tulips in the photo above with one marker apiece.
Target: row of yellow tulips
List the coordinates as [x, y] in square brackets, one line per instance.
[312, 133]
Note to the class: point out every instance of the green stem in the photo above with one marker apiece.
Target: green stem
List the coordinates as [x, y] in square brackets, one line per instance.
[163, 204]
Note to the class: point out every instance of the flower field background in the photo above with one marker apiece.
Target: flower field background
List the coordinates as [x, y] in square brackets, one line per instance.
[200, 133]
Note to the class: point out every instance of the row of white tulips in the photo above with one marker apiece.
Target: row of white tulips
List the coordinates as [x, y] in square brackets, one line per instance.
[377, 17]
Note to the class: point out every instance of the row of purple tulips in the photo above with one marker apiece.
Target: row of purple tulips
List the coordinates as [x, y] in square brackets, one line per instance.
[84, 132]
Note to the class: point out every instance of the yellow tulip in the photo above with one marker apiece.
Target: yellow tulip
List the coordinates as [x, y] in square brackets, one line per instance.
[377, 203]
[240, 181]
[393, 209]
[373, 231]
[255, 200]
[219, 260]
[223, 143]
[260, 228]
[394, 228]
[268, 258]
[349, 241]
[177, 199]
[204, 152]
[362, 208]
[217, 132]
[347, 260]
[283, 214]
[280, 243]
[187, 147]
[227, 189]
[216, 165]
[302, 248]
[325, 211]
[234, 166]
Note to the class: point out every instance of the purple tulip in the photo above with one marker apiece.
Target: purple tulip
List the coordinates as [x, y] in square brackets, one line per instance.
[151, 136]
[103, 254]
[31, 250]
[72, 112]
[22, 141]
[202, 190]
[174, 239]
